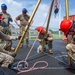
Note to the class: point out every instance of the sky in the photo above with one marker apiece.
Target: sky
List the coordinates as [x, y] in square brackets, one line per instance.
[15, 8]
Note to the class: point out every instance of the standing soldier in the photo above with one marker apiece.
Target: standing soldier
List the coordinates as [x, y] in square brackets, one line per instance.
[23, 18]
[48, 39]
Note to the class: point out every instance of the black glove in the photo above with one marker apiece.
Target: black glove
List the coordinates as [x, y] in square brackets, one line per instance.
[45, 39]
[19, 37]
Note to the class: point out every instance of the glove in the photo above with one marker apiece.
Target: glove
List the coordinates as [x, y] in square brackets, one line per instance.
[19, 37]
[45, 39]
[13, 38]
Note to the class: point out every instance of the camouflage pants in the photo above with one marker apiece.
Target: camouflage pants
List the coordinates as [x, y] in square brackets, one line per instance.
[6, 30]
[69, 48]
[22, 29]
[5, 59]
[3, 44]
[6, 45]
[49, 45]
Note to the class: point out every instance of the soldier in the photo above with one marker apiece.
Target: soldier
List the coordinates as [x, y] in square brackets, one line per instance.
[6, 57]
[23, 18]
[48, 39]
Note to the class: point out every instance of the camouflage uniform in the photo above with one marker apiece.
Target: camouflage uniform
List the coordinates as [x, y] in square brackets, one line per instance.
[6, 29]
[6, 56]
[49, 35]
[70, 48]
[5, 59]
[6, 45]
[5, 24]
[23, 24]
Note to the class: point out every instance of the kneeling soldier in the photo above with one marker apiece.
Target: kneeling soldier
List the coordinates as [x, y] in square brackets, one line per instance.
[6, 57]
[48, 39]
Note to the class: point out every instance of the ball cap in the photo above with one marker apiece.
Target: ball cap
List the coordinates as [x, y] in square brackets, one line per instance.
[24, 10]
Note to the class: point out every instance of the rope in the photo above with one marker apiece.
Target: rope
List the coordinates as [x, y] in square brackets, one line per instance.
[24, 61]
[33, 67]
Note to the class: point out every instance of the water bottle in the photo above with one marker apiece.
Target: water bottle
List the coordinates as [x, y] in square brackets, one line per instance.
[38, 50]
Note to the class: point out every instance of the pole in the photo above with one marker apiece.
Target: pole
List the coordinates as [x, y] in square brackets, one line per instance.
[67, 8]
[49, 17]
[67, 17]
[29, 21]
[59, 17]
